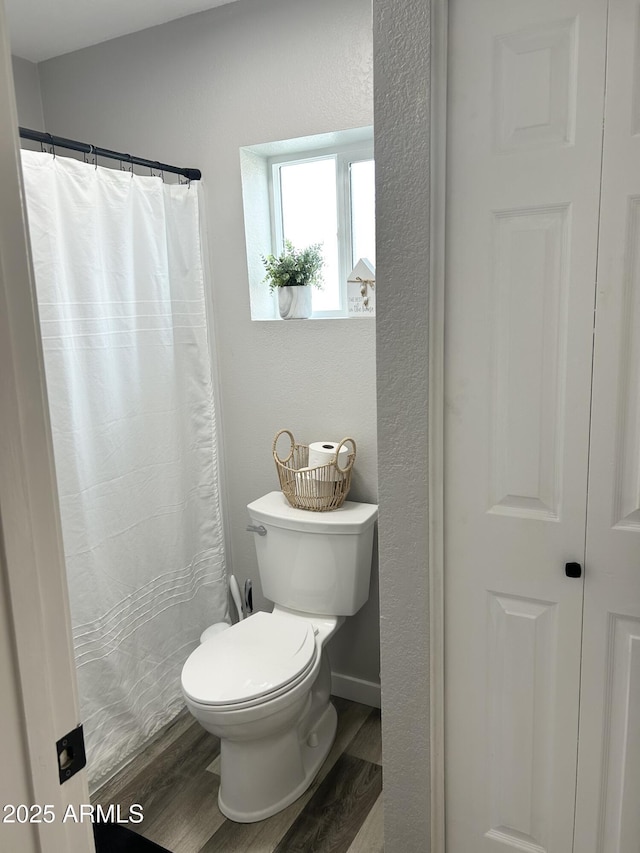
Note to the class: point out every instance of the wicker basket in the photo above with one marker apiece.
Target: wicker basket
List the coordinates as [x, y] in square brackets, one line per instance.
[318, 489]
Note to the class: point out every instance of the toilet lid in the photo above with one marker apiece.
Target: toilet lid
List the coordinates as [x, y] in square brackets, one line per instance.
[256, 657]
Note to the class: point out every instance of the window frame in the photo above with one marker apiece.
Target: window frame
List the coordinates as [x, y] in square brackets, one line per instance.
[343, 156]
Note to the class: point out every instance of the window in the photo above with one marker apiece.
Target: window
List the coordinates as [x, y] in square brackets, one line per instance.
[313, 189]
[329, 198]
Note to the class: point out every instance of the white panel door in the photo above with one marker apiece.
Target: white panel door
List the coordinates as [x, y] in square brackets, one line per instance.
[525, 105]
[608, 803]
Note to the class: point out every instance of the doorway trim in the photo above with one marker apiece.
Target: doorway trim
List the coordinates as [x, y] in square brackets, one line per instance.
[438, 148]
[31, 556]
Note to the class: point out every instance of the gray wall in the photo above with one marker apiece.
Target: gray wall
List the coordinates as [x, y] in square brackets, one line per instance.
[28, 96]
[192, 92]
[402, 125]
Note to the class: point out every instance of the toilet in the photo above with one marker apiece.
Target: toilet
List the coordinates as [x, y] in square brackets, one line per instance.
[263, 686]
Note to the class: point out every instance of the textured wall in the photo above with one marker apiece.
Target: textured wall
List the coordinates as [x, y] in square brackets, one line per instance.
[401, 120]
[28, 97]
[192, 92]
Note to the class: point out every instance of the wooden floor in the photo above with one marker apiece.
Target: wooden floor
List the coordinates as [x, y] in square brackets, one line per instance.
[176, 782]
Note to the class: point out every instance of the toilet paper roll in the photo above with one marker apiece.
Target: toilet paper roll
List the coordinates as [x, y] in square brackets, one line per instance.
[308, 485]
[322, 452]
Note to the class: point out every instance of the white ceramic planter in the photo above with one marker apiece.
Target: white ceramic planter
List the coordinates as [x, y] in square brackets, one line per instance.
[294, 303]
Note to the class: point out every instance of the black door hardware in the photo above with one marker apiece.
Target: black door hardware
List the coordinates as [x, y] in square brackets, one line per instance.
[71, 754]
[573, 570]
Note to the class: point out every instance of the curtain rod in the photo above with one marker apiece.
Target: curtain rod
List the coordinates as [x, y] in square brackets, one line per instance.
[61, 142]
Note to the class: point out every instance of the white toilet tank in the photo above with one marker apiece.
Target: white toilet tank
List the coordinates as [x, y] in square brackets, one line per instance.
[316, 562]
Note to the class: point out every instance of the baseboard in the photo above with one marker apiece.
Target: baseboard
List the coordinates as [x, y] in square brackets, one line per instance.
[355, 689]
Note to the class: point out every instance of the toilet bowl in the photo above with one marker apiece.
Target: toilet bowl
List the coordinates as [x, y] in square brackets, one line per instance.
[263, 688]
[263, 685]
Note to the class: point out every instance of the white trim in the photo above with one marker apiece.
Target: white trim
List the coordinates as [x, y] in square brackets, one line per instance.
[345, 227]
[29, 518]
[352, 151]
[355, 689]
[438, 142]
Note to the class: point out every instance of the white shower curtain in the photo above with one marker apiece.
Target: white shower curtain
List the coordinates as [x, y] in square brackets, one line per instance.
[119, 276]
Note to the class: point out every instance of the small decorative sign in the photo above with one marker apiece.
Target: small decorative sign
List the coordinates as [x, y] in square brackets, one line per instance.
[361, 298]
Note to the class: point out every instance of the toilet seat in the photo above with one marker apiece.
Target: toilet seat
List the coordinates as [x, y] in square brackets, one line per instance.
[254, 661]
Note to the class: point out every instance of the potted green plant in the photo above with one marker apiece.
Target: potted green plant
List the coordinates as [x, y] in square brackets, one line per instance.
[293, 274]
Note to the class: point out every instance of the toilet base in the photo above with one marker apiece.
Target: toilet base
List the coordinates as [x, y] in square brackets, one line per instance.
[290, 771]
